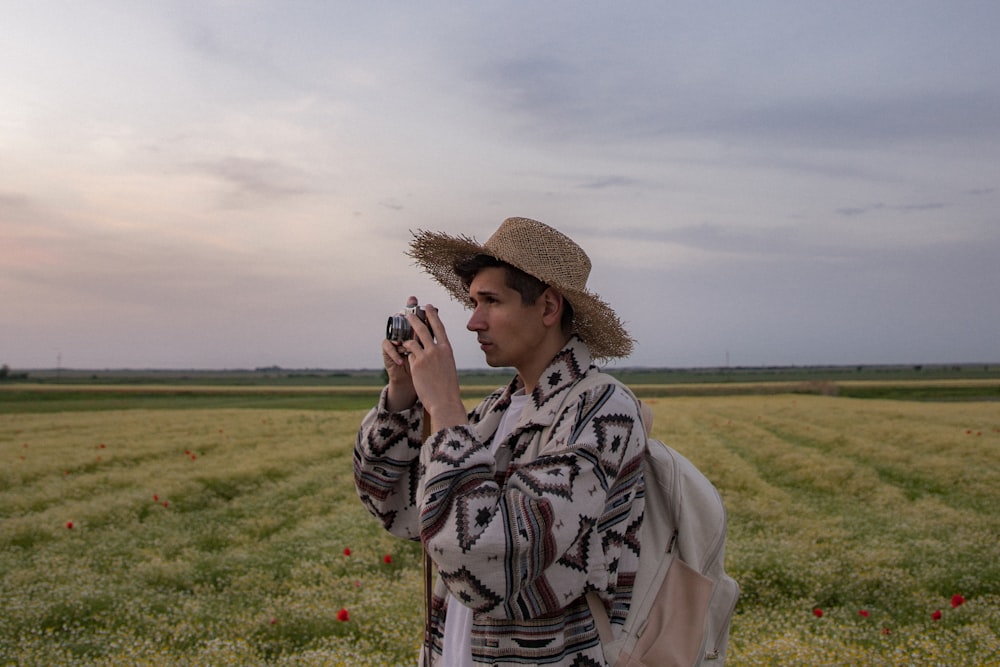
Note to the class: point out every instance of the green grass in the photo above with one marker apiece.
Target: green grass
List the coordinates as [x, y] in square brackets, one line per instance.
[847, 506]
[87, 398]
[23, 397]
[208, 536]
[916, 391]
[834, 503]
[277, 377]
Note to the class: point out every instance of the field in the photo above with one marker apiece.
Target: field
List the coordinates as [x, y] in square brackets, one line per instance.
[222, 528]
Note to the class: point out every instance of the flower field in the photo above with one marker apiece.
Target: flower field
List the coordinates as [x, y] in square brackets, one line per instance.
[862, 532]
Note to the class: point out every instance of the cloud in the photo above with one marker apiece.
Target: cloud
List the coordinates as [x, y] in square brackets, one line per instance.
[190, 171]
[11, 201]
[722, 243]
[872, 304]
[879, 121]
[391, 204]
[252, 181]
[613, 181]
[930, 206]
[737, 77]
[535, 85]
[851, 211]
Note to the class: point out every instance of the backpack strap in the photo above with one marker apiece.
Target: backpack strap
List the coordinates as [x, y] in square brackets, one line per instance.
[600, 614]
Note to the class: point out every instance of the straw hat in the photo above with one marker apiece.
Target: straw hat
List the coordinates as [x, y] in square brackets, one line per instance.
[540, 251]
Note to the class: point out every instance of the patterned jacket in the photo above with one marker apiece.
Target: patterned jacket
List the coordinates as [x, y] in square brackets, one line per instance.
[521, 544]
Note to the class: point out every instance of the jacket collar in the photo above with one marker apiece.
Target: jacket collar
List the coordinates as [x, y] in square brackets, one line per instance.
[565, 370]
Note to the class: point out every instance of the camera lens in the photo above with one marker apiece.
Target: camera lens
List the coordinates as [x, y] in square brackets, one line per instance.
[397, 329]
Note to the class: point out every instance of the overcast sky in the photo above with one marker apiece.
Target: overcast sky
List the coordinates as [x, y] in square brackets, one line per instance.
[232, 184]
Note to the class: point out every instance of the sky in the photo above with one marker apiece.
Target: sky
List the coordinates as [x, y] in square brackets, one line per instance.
[226, 184]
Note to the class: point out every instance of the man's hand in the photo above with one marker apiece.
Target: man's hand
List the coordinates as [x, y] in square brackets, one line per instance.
[401, 394]
[433, 372]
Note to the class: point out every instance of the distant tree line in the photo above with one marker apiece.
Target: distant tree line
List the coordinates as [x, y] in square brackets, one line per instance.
[6, 374]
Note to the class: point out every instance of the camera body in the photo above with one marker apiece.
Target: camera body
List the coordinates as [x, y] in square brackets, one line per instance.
[398, 329]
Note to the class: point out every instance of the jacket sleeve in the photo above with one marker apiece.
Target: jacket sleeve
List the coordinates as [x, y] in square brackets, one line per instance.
[387, 466]
[527, 546]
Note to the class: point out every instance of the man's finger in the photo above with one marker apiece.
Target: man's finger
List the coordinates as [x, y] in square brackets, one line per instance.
[436, 325]
[421, 332]
[392, 352]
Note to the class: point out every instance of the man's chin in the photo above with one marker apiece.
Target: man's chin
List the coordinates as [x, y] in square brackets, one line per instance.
[492, 359]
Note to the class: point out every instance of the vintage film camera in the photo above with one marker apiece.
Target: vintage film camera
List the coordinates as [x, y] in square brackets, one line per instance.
[398, 329]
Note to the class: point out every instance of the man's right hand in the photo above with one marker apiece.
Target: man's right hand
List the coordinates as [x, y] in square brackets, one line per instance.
[402, 395]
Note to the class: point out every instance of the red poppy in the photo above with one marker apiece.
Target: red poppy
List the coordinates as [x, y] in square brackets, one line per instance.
[156, 498]
[388, 559]
[818, 613]
[273, 620]
[342, 615]
[165, 503]
[347, 551]
[864, 612]
[936, 615]
[69, 524]
[957, 600]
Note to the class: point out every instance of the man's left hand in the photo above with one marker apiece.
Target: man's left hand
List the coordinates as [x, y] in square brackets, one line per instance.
[434, 372]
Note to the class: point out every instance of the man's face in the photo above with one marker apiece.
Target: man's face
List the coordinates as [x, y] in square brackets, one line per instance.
[510, 333]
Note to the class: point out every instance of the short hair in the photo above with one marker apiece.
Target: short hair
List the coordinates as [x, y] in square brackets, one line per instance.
[525, 284]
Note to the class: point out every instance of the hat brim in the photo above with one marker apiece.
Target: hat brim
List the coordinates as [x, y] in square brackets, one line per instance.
[594, 321]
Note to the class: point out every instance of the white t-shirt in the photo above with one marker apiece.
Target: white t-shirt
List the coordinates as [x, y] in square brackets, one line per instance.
[457, 645]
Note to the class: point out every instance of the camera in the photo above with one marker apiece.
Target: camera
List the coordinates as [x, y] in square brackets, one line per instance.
[398, 329]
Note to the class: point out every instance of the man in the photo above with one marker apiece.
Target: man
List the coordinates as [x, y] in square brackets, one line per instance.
[523, 505]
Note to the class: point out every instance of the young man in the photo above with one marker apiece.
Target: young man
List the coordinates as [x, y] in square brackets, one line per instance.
[523, 507]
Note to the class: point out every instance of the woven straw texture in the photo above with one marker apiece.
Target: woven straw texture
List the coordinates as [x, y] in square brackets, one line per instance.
[542, 252]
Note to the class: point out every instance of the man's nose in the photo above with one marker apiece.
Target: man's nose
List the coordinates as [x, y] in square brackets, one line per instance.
[475, 322]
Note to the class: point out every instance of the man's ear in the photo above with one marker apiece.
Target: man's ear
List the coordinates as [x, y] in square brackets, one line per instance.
[554, 304]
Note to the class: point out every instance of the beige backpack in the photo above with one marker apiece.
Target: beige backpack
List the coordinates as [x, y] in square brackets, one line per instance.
[683, 600]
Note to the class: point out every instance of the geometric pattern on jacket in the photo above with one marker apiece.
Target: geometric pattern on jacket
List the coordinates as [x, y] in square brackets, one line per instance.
[522, 545]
